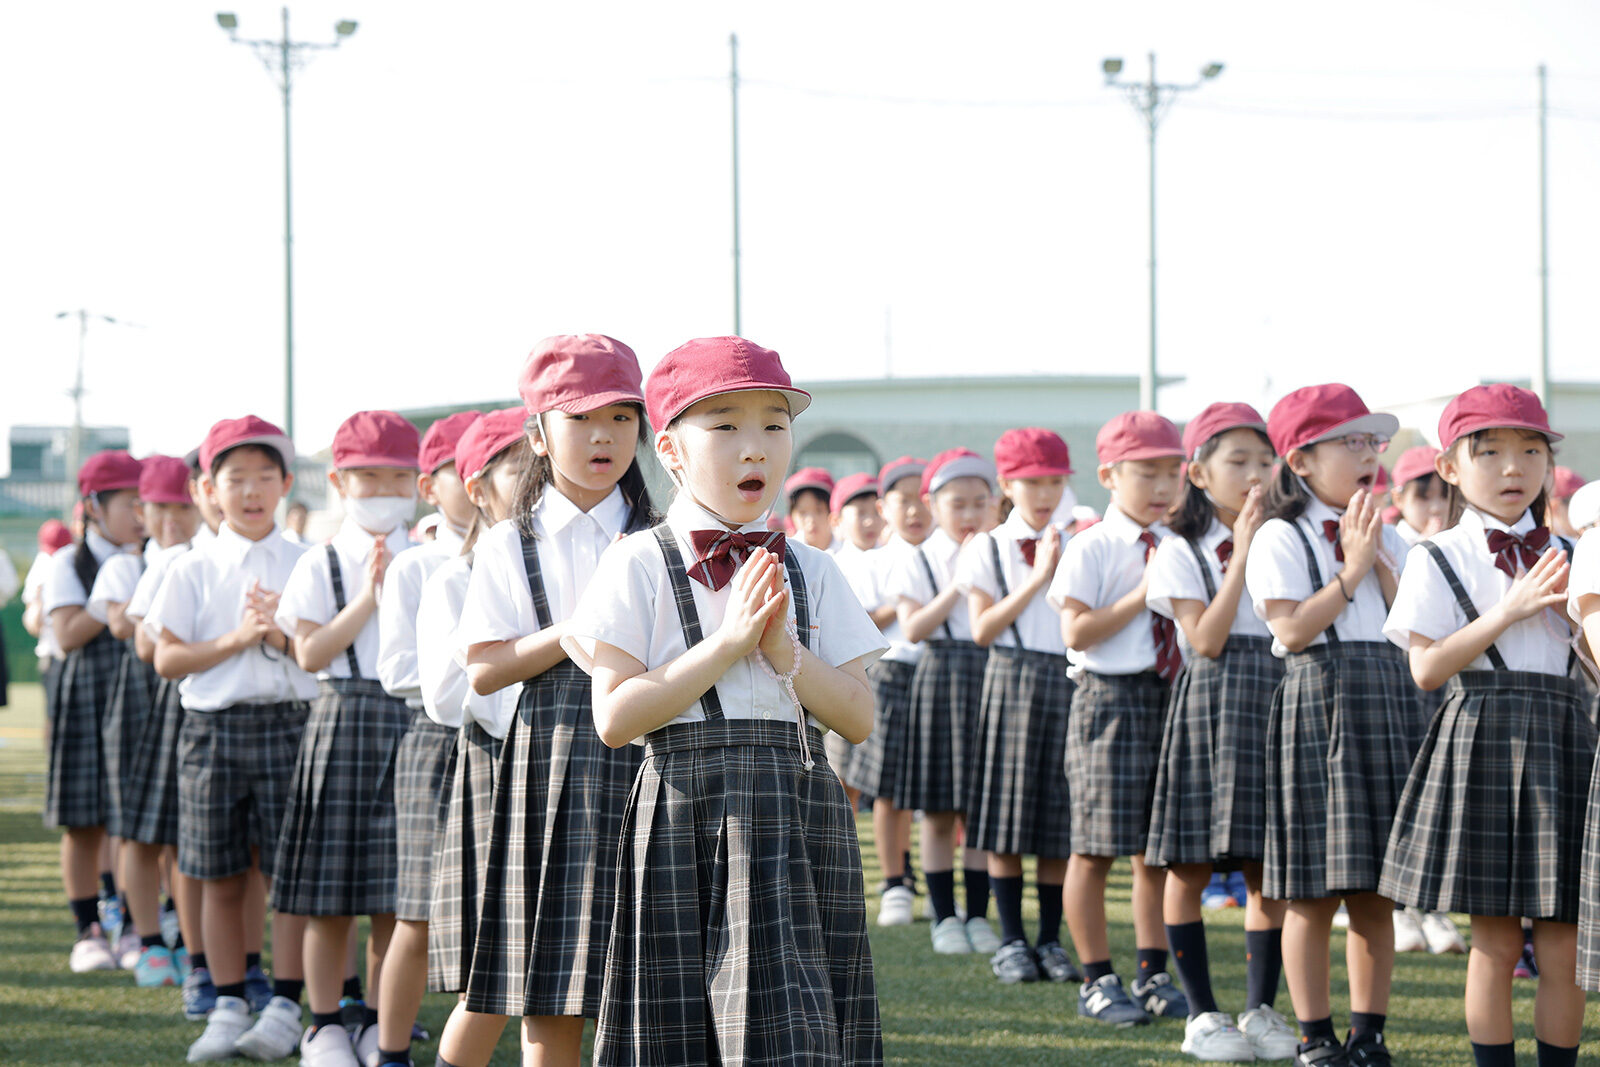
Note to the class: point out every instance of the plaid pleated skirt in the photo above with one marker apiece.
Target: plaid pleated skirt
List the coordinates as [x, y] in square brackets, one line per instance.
[1113, 743]
[741, 928]
[127, 713]
[936, 761]
[550, 881]
[1344, 727]
[150, 786]
[1210, 803]
[1017, 803]
[458, 865]
[336, 852]
[1491, 820]
[423, 766]
[1588, 973]
[874, 761]
[76, 791]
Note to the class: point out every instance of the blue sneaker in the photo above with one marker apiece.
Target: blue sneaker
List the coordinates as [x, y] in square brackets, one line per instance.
[257, 989]
[155, 968]
[1158, 996]
[180, 960]
[1238, 889]
[1215, 895]
[1106, 1001]
[199, 995]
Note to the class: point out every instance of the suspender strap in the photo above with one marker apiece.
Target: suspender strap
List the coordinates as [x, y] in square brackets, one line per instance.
[802, 602]
[530, 563]
[338, 605]
[1205, 568]
[927, 568]
[688, 616]
[1316, 578]
[1005, 590]
[1468, 608]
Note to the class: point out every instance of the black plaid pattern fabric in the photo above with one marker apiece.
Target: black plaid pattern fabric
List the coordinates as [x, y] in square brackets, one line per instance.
[873, 761]
[423, 767]
[234, 769]
[1588, 974]
[1491, 820]
[1210, 802]
[458, 865]
[1113, 743]
[1344, 728]
[127, 712]
[936, 760]
[336, 854]
[1017, 803]
[150, 787]
[76, 791]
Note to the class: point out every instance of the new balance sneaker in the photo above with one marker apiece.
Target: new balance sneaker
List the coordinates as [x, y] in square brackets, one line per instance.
[894, 907]
[982, 936]
[226, 1024]
[1367, 1050]
[1055, 964]
[257, 989]
[1321, 1052]
[1158, 996]
[1442, 935]
[1015, 963]
[199, 995]
[170, 931]
[327, 1046]
[1408, 935]
[950, 937]
[1212, 1036]
[91, 952]
[1104, 1000]
[1270, 1035]
[128, 949]
[155, 968]
[276, 1033]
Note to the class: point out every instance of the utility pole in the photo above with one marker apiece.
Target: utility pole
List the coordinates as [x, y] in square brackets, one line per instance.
[1541, 373]
[75, 435]
[733, 90]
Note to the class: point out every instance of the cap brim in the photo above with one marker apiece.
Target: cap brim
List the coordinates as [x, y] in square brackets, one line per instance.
[396, 462]
[964, 467]
[1501, 424]
[821, 487]
[1038, 470]
[1151, 452]
[910, 470]
[1378, 422]
[594, 402]
[277, 442]
[798, 399]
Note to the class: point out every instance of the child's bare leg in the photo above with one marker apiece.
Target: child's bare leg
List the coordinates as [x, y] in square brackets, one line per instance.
[886, 831]
[1149, 884]
[1259, 912]
[405, 980]
[255, 909]
[552, 1040]
[186, 897]
[222, 920]
[1306, 927]
[1558, 1006]
[326, 953]
[1181, 898]
[141, 884]
[1369, 951]
[1084, 899]
[469, 1038]
[1496, 948]
[377, 947]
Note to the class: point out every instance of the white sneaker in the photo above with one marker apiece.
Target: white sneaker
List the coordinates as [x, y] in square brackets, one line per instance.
[1270, 1035]
[1408, 935]
[894, 907]
[981, 936]
[366, 1046]
[276, 1033]
[1441, 934]
[950, 937]
[1212, 1036]
[128, 949]
[224, 1026]
[91, 952]
[1341, 918]
[330, 1047]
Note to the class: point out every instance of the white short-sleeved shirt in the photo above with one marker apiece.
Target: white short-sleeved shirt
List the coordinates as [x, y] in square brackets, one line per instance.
[308, 595]
[204, 535]
[1408, 533]
[114, 584]
[397, 613]
[909, 581]
[8, 577]
[1276, 570]
[1175, 575]
[630, 606]
[62, 588]
[1584, 579]
[204, 597]
[1099, 567]
[447, 695]
[156, 566]
[869, 574]
[1425, 605]
[46, 647]
[1039, 623]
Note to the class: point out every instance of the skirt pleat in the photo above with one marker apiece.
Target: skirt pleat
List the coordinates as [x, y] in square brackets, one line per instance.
[874, 761]
[1018, 800]
[128, 708]
[1113, 742]
[936, 761]
[457, 892]
[76, 791]
[150, 787]
[423, 766]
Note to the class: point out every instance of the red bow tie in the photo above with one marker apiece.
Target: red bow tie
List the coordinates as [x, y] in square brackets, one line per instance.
[718, 553]
[1330, 530]
[1029, 547]
[1168, 658]
[1224, 554]
[1509, 549]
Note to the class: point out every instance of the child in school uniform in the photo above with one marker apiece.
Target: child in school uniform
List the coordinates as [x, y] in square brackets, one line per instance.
[1124, 659]
[1017, 798]
[53, 536]
[856, 521]
[336, 854]
[244, 707]
[808, 492]
[937, 760]
[740, 932]
[875, 762]
[550, 876]
[76, 795]
[1210, 805]
[1347, 719]
[425, 757]
[1583, 607]
[1491, 819]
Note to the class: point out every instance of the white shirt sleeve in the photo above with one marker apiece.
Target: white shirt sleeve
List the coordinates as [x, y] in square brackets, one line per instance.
[307, 594]
[1423, 604]
[489, 614]
[975, 567]
[844, 631]
[619, 606]
[115, 583]
[177, 603]
[1276, 567]
[397, 624]
[1077, 576]
[908, 579]
[62, 588]
[8, 577]
[440, 675]
[859, 571]
[1174, 575]
[1397, 548]
[1584, 579]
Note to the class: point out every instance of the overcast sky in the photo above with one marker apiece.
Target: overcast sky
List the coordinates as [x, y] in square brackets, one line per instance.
[929, 189]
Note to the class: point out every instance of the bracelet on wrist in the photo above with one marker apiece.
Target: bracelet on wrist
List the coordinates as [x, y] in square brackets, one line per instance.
[1348, 599]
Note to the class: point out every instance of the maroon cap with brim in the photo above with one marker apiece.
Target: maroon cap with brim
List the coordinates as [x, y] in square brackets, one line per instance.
[955, 463]
[1493, 407]
[1135, 435]
[53, 536]
[808, 478]
[375, 439]
[249, 430]
[164, 480]
[1319, 412]
[1031, 452]
[487, 438]
[1217, 419]
[850, 487]
[1566, 482]
[711, 366]
[1415, 463]
[578, 372]
[439, 443]
[105, 472]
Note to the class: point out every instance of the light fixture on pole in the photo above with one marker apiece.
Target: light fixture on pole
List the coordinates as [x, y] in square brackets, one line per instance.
[1151, 99]
[284, 58]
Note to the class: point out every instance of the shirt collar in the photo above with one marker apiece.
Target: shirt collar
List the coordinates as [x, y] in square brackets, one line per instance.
[101, 547]
[1124, 529]
[685, 516]
[447, 539]
[555, 512]
[1480, 523]
[234, 546]
[1016, 528]
[1317, 512]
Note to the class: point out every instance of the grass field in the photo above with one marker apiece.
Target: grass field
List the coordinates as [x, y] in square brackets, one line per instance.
[936, 1010]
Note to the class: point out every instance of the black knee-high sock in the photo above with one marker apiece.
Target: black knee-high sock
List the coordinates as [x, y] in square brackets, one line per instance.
[977, 882]
[352, 987]
[1151, 961]
[941, 893]
[85, 912]
[1008, 902]
[1314, 1029]
[1049, 912]
[288, 988]
[1263, 962]
[252, 959]
[1495, 1055]
[1557, 1055]
[108, 884]
[197, 961]
[1366, 1022]
[1188, 941]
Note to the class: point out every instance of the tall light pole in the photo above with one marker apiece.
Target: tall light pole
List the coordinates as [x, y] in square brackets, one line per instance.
[283, 58]
[1541, 371]
[733, 91]
[75, 435]
[1151, 99]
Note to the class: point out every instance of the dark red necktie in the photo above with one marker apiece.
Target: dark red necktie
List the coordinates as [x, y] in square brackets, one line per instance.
[1028, 546]
[1168, 659]
[718, 553]
[1509, 549]
[1224, 554]
[1330, 530]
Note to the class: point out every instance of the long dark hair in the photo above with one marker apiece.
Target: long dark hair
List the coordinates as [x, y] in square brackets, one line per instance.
[1287, 495]
[84, 565]
[1456, 501]
[537, 473]
[1193, 516]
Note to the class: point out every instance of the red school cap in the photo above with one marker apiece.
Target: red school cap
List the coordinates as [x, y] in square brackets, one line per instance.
[849, 488]
[249, 430]
[1492, 407]
[1031, 452]
[955, 463]
[375, 439]
[901, 467]
[1318, 412]
[710, 366]
[578, 372]
[1567, 481]
[1217, 419]
[486, 438]
[439, 443]
[808, 478]
[1414, 463]
[164, 480]
[107, 471]
[1138, 435]
[53, 536]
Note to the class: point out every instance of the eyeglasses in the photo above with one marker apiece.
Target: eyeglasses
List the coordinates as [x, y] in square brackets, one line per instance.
[1361, 442]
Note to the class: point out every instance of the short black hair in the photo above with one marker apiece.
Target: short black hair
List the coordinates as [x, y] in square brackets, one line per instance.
[800, 494]
[266, 450]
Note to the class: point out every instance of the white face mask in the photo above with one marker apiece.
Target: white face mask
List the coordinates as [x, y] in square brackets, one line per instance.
[380, 514]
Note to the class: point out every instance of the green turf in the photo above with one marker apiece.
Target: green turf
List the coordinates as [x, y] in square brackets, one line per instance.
[936, 1010]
